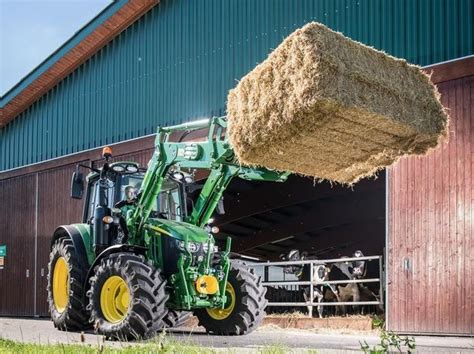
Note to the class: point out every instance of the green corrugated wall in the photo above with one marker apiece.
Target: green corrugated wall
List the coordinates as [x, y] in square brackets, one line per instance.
[178, 62]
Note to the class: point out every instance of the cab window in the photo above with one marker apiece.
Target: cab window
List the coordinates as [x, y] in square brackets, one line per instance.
[169, 201]
[94, 198]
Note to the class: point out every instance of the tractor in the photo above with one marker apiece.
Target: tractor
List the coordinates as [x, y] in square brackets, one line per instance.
[144, 256]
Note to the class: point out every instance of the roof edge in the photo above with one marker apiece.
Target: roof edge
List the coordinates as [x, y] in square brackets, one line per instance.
[451, 69]
[81, 46]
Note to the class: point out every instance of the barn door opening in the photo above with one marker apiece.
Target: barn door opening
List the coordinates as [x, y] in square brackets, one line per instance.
[319, 220]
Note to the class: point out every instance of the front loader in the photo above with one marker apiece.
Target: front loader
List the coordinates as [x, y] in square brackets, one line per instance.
[139, 263]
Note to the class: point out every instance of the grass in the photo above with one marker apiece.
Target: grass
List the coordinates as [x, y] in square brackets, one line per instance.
[167, 346]
[159, 346]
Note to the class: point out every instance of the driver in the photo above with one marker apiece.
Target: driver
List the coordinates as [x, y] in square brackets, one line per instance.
[130, 199]
[125, 205]
[130, 193]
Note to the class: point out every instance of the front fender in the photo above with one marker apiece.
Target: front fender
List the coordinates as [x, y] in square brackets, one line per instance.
[115, 249]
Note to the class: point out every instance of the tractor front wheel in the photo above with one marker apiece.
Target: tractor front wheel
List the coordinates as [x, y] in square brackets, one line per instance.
[245, 307]
[176, 318]
[66, 278]
[127, 297]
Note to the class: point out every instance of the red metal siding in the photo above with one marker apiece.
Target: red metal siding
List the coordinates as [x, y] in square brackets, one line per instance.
[431, 227]
[17, 231]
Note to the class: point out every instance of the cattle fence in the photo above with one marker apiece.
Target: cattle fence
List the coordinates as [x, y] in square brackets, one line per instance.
[265, 269]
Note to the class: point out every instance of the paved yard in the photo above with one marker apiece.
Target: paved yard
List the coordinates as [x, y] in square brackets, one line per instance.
[41, 330]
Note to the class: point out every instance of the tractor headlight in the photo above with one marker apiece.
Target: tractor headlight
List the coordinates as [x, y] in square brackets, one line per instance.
[193, 247]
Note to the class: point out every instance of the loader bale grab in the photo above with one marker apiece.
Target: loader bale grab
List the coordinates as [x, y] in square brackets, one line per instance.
[325, 106]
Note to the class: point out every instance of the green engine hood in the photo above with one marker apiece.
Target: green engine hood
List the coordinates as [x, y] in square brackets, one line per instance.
[177, 229]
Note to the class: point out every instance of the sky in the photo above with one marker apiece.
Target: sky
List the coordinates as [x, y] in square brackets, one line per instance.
[30, 30]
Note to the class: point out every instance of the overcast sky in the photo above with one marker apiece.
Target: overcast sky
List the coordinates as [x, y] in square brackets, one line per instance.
[30, 30]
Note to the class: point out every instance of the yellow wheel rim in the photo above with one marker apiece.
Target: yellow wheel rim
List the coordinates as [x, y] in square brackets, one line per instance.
[61, 284]
[222, 314]
[114, 299]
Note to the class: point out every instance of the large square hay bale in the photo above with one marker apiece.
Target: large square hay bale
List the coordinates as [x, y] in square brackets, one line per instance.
[325, 106]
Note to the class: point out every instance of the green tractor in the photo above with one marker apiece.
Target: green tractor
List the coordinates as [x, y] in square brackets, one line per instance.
[140, 263]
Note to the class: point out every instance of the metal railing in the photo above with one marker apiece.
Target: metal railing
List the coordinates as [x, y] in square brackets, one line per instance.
[312, 283]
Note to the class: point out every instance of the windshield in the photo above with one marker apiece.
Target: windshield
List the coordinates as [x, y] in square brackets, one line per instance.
[168, 203]
[129, 186]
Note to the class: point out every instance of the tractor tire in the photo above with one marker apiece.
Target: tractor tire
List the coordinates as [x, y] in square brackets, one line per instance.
[245, 308]
[66, 277]
[175, 318]
[127, 298]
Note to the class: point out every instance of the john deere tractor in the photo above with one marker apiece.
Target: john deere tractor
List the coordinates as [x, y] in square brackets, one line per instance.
[139, 263]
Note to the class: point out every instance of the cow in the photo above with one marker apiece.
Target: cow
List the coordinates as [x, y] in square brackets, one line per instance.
[303, 272]
[345, 270]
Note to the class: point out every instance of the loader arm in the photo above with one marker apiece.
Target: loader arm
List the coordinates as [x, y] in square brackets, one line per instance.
[214, 154]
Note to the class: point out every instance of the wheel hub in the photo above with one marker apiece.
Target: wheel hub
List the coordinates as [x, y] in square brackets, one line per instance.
[222, 314]
[115, 299]
[61, 284]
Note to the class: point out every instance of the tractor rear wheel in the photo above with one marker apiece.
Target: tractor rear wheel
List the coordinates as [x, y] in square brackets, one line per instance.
[245, 306]
[66, 277]
[127, 297]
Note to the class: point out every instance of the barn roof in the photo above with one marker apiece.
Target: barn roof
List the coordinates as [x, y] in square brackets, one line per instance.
[80, 47]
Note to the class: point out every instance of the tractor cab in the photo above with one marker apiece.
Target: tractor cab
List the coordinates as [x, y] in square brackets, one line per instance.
[122, 192]
[112, 192]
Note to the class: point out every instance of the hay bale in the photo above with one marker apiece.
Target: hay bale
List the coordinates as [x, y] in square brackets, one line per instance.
[325, 106]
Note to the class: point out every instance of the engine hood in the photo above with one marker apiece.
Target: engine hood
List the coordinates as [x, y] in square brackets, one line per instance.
[177, 229]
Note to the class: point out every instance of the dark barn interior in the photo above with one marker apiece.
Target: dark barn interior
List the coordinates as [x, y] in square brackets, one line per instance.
[327, 221]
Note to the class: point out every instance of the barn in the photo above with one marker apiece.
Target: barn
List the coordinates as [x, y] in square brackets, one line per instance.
[140, 64]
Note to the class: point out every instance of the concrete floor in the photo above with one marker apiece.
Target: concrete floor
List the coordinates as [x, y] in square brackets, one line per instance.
[42, 331]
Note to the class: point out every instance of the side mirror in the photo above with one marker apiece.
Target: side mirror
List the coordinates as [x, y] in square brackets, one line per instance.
[77, 184]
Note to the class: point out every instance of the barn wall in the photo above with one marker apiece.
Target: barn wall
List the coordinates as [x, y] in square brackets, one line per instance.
[431, 209]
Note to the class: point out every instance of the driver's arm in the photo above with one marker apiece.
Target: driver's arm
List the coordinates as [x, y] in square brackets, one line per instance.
[120, 204]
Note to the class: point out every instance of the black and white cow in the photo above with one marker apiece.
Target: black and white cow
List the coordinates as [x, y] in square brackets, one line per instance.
[320, 275]
[350, 270]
